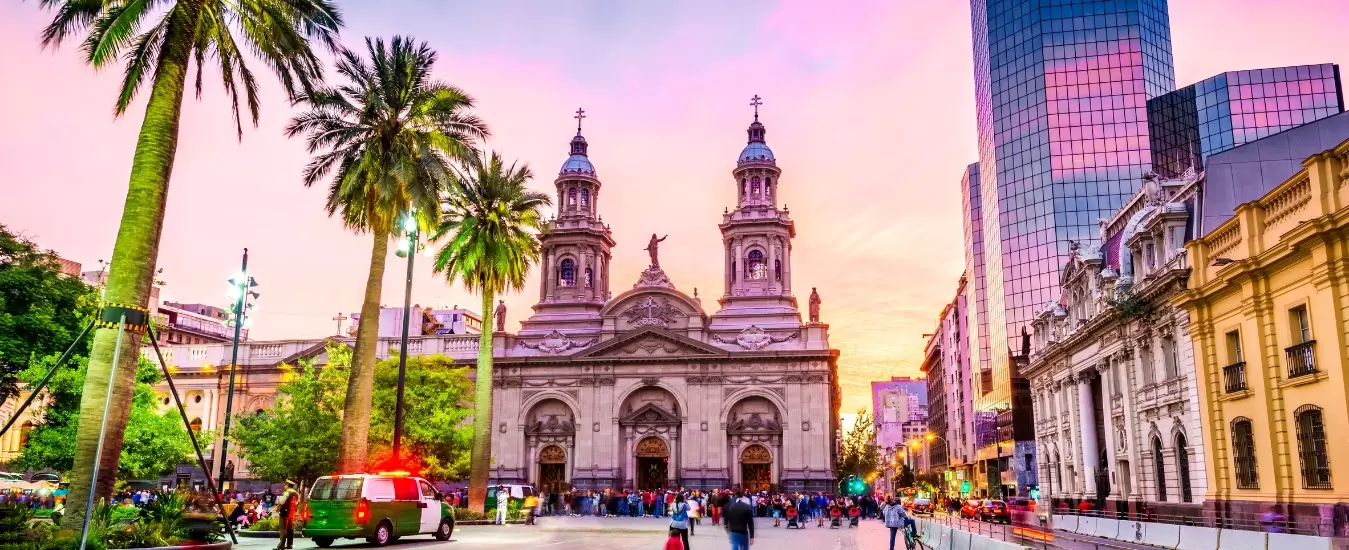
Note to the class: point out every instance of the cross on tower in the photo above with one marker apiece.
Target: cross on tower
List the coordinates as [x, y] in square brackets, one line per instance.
[339, 320]
[580, 114]
[756, 102]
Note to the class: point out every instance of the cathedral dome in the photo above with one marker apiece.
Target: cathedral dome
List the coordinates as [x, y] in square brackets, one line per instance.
[756, 151]
[578, 162]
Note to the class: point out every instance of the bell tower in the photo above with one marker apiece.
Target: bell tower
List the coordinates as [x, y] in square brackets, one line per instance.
[575, 248]
[757, 239]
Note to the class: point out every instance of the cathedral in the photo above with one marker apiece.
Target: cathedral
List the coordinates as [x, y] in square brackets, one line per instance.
[643, 388]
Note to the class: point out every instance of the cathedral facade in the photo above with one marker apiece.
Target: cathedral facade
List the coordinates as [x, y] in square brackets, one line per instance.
[643, 387]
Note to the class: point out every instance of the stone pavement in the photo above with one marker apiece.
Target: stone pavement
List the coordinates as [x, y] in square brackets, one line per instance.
[621, 534]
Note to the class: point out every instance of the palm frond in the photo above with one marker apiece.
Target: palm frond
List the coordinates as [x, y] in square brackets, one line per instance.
[72, 17]
[112, 31]
[140, 60]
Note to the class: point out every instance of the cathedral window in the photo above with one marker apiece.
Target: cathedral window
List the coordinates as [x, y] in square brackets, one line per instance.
[590, 278]
[743, 190]
[571, 198]
[768, 188]
[567, 273]
[755, 267]
[585, 198]
[754, 186]
[777, 270]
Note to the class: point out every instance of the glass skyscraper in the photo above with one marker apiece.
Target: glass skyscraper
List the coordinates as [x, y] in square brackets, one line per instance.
[1061, 92]
[1238, 107]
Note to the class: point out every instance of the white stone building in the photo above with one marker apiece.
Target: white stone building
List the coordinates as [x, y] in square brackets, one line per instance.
[639, 388]
[1112, 372]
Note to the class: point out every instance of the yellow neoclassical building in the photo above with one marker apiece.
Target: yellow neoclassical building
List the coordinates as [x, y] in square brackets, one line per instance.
[1267, 303]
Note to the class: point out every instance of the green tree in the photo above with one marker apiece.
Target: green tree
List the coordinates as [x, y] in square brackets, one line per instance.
[41, 310]
[294, 438]
[155, 441]
[160, 40]
[860, 456]
[490, 220]
[388, 136]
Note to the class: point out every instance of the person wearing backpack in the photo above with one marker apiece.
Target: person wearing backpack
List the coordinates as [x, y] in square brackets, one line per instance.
[679, 519]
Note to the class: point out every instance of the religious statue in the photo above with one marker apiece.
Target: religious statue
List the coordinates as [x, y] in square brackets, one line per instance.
[651, 248]
[501, 315]
[814, 305]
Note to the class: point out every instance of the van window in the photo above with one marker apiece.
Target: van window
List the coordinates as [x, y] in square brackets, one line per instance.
[346, 488]
[405, 488]
[379, 488]
[427, 490]
[529, 491]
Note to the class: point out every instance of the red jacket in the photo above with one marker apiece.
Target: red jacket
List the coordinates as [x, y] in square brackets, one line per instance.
[674, 543]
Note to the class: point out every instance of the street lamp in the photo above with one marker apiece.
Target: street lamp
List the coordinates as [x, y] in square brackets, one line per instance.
[929, 436]
[240, 290]
[408, 245]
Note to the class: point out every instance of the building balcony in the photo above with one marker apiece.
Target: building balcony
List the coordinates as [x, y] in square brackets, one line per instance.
[1301, 359]
[1234, 377]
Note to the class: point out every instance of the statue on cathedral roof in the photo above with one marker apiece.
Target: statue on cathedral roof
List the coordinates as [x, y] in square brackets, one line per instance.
[814, 305]
[652, 247]
[500, 315]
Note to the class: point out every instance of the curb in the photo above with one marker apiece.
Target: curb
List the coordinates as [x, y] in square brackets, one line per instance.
[212, 546]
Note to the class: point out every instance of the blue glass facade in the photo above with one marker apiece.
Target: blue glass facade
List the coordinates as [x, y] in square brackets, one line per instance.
[1235, 108]
[1061, 90]
[976, 297]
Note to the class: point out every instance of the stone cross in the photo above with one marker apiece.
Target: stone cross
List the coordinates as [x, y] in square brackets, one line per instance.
[756, 101]
[580, 114]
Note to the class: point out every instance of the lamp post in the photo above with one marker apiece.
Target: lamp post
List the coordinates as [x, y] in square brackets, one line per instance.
[408, 245]
[929, 436]
[240, 290]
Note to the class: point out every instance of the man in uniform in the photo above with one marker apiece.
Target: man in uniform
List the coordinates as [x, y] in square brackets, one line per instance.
[503, 500]
[288, 505]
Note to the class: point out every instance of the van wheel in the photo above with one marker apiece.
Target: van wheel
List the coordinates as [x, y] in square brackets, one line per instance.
[323, 542]
[383, 534]
[445, 529]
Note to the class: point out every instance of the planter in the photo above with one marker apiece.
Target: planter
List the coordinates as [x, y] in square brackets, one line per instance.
[212, 546]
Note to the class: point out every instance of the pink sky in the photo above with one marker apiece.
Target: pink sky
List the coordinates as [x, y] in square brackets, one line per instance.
[869, 109]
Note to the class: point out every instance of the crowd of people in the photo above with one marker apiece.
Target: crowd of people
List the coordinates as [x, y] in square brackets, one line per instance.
[734, 510]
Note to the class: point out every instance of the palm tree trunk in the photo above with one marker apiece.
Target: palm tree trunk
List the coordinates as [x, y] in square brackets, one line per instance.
[134, 257]
[479, 460]
[361, 384]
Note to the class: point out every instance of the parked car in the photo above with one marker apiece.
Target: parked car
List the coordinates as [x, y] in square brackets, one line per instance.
[970, 510]
[996, 510]
[379, 508]
[921, 506]
[54, 478]
[517, 492]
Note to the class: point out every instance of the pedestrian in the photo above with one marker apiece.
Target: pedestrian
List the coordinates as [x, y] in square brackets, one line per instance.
[528, 508]
[739, 518]
[893, 514]
[289, 503]
[679, 519]
[1273, 520]
[503, 502]
[695, 513]
[674, 542]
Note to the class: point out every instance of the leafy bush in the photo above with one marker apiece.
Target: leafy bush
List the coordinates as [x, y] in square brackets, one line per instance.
[464, 514]
[42, 513]
[269, 523]
[14, 523]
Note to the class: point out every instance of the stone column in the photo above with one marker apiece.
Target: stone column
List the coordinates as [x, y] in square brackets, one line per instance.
[772, 264]
[1131, 440]
[738, 261]
[1087, 420]
[630, 460]
[1103, 369]
[547, 291]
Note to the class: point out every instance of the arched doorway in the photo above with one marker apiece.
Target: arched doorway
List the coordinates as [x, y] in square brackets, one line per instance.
[553, 469]
[653, 463]
[754, 437]
[756, 469]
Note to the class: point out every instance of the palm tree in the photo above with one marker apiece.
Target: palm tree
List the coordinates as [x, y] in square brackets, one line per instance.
[490, 219]
[160, 40]
[388, 135]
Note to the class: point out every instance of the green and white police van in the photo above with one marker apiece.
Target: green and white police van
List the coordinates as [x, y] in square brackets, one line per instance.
[377, 507]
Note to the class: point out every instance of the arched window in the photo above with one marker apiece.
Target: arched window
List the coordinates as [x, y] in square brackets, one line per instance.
[1311, 446]
[768, 188]
[777, 270]
[571, 198]
[567, 272]
[755, 268]
[26, 427]
[754, 186]
[590, 278]
[744, 190]
[196, 425]
[585, 198]
[1183, 468]
[1159, 467]
[1243, 447]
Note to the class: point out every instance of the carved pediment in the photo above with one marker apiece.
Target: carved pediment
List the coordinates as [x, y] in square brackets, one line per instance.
[754, 423]
[650, 342]
[552, 425]
[650, 415]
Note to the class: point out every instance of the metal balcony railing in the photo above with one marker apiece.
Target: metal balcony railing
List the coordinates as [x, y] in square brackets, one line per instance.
[1301, 359]
[1234, 377]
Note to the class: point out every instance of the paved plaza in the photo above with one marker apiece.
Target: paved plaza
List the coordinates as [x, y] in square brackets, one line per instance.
[622, 534]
